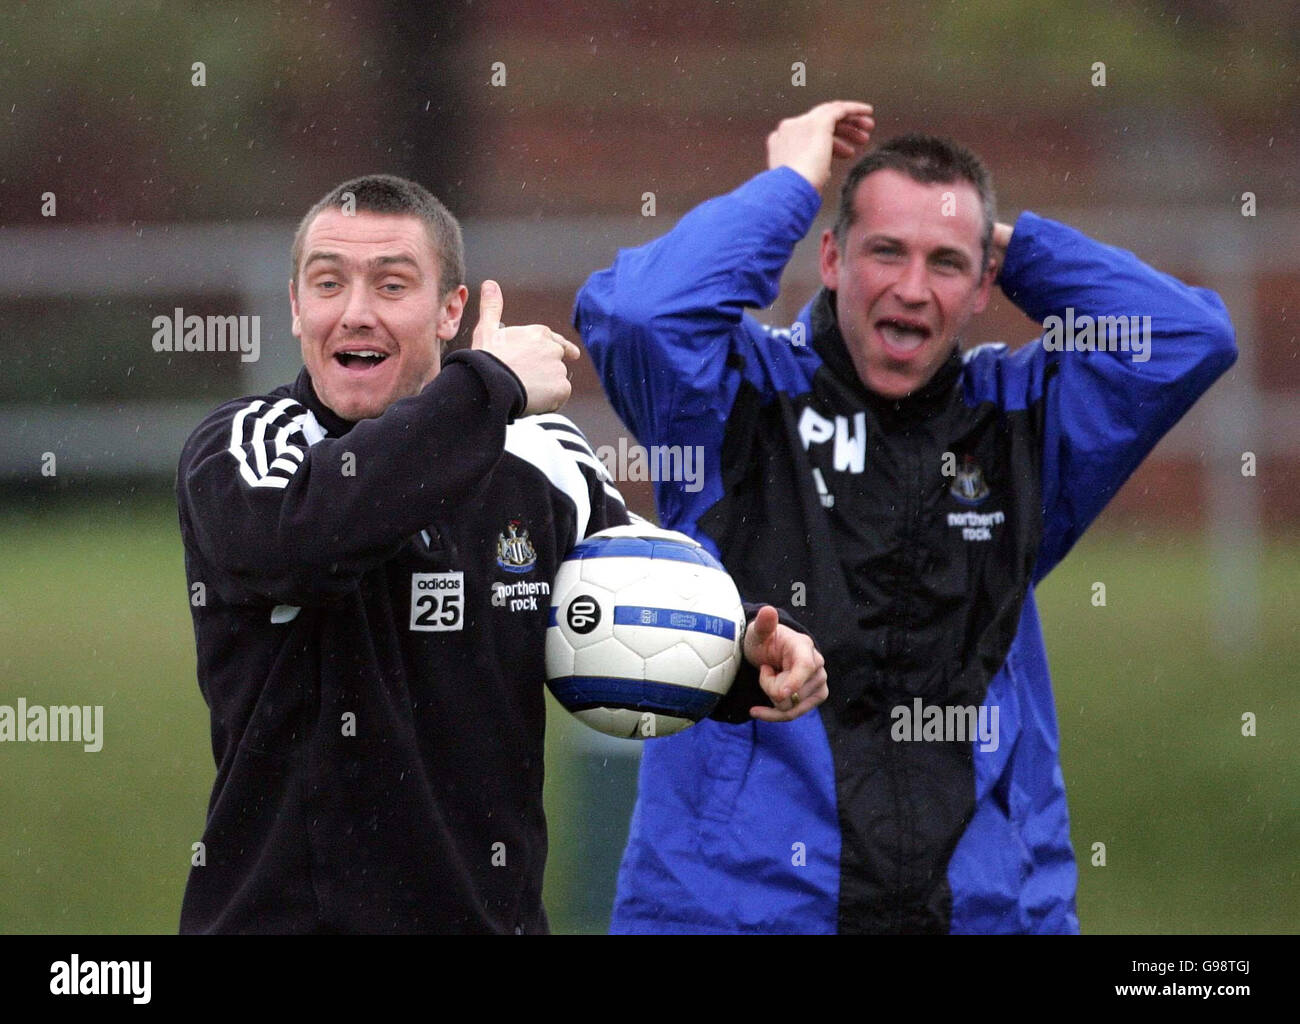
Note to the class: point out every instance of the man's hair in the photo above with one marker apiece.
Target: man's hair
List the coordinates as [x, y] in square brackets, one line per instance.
[385, 193]
[927, 160]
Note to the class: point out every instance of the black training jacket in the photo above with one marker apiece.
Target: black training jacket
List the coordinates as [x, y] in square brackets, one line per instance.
[370, 604]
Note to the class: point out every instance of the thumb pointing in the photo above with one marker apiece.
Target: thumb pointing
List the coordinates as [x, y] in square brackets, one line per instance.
[490, 304]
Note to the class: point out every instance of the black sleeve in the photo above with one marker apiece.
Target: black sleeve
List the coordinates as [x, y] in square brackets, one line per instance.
[273, 514]
[745, 692]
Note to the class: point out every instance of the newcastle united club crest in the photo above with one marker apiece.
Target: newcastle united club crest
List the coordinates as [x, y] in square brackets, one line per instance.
[515, 552]
[968, 486]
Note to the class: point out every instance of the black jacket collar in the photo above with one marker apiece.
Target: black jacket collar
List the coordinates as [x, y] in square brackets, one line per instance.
[303, 392]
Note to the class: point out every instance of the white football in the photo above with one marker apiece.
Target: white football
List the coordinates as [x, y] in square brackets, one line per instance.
[646, 632]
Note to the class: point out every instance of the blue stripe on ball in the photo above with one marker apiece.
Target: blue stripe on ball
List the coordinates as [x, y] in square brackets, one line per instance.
[674, 618]
[580, 693]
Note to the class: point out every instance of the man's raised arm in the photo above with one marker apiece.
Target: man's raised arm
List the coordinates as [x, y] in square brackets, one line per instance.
[660, 321]
[1126, 351]
[279, 509]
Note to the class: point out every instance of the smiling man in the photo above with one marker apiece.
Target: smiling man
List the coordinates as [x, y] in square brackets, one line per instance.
[377, 716]
[905, 496]
[906, 262]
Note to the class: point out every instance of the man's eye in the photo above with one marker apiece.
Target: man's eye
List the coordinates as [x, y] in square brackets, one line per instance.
[394, 287]
[885, 251]
[327, 285]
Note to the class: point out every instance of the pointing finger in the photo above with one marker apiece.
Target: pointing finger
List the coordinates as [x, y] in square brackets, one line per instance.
[765, 623]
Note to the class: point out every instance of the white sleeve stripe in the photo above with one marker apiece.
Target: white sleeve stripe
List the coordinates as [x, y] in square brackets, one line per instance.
[613, 493]
[589, 460]
[278, 482]
[569, 433]
[257, 440]
[237, 446]
[573, 444]
[585, 456]
[282, 445]
[550, 420]
[566, 428]
[259, 432]
[288, 457]
[288, 465]
[528, 441]
[570, 437]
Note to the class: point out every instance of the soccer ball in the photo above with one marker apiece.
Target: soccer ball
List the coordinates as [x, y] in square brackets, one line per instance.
[646, 631]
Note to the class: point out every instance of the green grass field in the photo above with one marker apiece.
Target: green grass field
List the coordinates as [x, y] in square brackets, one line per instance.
[1201, 825]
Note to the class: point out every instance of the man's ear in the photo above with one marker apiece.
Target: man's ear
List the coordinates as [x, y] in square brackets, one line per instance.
[830, 260]
[986, 286]
[293, 305]
[453, 308]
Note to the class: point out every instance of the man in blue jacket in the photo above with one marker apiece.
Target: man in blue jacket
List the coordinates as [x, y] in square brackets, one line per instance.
[904, 497]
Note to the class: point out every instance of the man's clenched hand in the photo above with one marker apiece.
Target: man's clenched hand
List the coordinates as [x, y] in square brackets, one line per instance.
[998, 247]
[809, 142]
[791, 670]
[535, 353]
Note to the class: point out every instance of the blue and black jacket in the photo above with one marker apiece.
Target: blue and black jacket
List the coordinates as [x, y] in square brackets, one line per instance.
[908, 537]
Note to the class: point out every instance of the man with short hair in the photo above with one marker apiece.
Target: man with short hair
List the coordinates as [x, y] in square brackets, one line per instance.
[904, 497]
[377, 706]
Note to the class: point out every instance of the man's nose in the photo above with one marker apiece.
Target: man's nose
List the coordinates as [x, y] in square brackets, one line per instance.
[912, 285]
[360, 311]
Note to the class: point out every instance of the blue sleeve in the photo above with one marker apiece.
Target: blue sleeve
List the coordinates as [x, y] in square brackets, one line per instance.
[1102, 411]
[666, 324]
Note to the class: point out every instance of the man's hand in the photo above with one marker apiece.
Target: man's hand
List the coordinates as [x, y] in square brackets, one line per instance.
[791, 670]
[998, 247]
[535, 353]
[808, 143]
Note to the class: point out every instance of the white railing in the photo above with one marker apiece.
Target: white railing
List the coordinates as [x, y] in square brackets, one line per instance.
[1223, 250]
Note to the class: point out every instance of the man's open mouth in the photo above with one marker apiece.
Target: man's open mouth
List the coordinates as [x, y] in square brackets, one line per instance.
[903, 337]
[360, 358]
